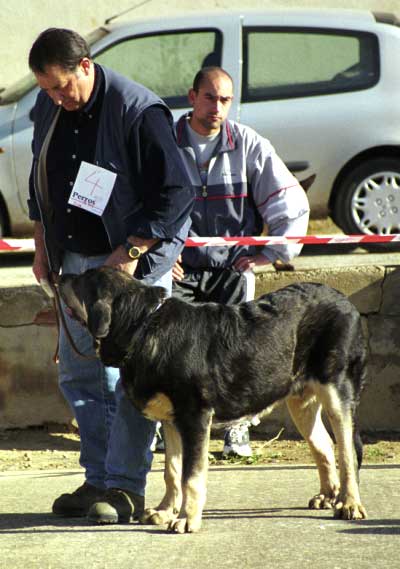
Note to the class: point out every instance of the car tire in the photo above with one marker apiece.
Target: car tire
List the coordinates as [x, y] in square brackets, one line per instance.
[368, 201]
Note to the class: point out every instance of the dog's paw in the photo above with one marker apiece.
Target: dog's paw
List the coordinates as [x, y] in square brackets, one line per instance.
[322, 502]
[350, 510]
[183, 525]
[156, 517]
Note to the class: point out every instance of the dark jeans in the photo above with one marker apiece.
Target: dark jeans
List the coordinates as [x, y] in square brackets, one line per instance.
[225, 286]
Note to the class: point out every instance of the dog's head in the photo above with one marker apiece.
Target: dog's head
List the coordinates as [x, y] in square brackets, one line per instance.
[112, 305]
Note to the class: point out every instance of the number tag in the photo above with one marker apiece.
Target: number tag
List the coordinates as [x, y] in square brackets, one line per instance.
[92, 188]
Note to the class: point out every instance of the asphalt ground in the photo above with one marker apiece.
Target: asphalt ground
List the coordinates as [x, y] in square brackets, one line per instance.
[255, 517]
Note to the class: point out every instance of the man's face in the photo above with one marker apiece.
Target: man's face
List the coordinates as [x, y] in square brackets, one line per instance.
[211, 103]
[70, 89]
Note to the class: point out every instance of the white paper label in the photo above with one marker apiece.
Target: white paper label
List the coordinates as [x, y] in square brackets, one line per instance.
[92, 188]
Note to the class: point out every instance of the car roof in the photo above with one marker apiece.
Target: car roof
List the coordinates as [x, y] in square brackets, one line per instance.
[311, 17]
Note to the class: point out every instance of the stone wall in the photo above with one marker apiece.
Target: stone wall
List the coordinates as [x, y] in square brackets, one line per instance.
[29, 393]
[375, 291]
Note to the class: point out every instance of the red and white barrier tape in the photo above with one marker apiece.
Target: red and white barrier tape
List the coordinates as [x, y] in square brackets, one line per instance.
[27, 245]
[305, 240]
[13, 245]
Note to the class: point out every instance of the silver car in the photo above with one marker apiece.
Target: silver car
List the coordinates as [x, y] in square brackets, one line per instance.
[322, 85]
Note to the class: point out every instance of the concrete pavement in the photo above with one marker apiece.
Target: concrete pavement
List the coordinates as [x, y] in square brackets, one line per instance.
[255, 517]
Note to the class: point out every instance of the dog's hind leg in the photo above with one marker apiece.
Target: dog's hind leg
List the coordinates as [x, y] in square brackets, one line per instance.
[170, 505]
[195, 439]
[340, 414]
[306, 413]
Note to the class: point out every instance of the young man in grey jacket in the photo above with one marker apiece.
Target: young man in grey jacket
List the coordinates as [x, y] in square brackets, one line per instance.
[241, 186]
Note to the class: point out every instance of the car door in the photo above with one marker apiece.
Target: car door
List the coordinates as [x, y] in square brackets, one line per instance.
[21, 142]
[303, 88]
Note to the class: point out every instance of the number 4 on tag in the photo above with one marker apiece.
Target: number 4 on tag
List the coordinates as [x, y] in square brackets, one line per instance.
[95, 183]
[92, 188]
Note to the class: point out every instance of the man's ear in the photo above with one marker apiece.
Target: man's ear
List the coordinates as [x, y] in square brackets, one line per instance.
[99, 319]
[192, 96]
[85, 65]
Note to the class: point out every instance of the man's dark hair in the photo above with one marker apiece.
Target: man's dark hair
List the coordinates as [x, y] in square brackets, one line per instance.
[203, 74]
[57, 46]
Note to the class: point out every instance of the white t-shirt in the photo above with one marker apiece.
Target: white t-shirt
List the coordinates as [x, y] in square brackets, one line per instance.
[203, 147]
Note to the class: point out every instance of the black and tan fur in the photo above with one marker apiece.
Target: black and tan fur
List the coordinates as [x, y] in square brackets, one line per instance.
[190, 364]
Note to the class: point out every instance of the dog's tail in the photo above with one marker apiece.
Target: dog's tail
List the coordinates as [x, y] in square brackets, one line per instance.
[358, 372]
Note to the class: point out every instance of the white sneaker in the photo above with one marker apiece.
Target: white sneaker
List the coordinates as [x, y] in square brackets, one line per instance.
[158, 441]
[236, 441]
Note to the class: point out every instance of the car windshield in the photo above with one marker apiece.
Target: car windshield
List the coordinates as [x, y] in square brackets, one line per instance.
[14, 92]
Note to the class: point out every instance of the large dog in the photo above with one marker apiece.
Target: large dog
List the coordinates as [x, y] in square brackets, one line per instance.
[185, 364]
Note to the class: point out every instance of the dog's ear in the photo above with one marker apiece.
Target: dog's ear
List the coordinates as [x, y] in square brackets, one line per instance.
[99, 319]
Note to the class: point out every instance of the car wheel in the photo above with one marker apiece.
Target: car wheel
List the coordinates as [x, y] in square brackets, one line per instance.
[368, 201]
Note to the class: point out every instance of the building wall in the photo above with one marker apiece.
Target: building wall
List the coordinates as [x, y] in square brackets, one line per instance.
[22, 21]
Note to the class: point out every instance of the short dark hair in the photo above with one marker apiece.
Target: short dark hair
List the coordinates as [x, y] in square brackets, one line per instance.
[203, 74]
[57, 46]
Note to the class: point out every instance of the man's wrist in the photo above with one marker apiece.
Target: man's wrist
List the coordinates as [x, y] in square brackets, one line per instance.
[140, 243]
[134, 251]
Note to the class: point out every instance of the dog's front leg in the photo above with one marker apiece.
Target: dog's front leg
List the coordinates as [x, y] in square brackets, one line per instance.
[170, 505]
[194, 475]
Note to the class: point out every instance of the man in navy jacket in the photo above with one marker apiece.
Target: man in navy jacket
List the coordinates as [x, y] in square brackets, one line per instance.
[90, 119]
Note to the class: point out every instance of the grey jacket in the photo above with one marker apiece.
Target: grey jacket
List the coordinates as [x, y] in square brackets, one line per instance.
[248, 187]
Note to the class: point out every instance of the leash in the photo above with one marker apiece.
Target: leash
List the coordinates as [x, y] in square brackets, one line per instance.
[52, 291]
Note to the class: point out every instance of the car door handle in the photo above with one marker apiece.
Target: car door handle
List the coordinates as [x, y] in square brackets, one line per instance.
[297, 166]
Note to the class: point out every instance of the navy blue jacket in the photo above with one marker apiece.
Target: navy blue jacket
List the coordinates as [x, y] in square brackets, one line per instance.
[129, 210]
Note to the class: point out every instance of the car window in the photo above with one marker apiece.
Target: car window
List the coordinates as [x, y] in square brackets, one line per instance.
[14, 92]
[167, 62]
[297, 63]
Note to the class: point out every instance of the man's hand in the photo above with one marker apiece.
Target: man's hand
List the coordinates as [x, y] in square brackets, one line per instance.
[119, 258]
[177, 270]
[40, 267]
[247, 263]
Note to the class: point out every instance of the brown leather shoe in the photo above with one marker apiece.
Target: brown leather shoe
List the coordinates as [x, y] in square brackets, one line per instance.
[77, 503]
[116, 506]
